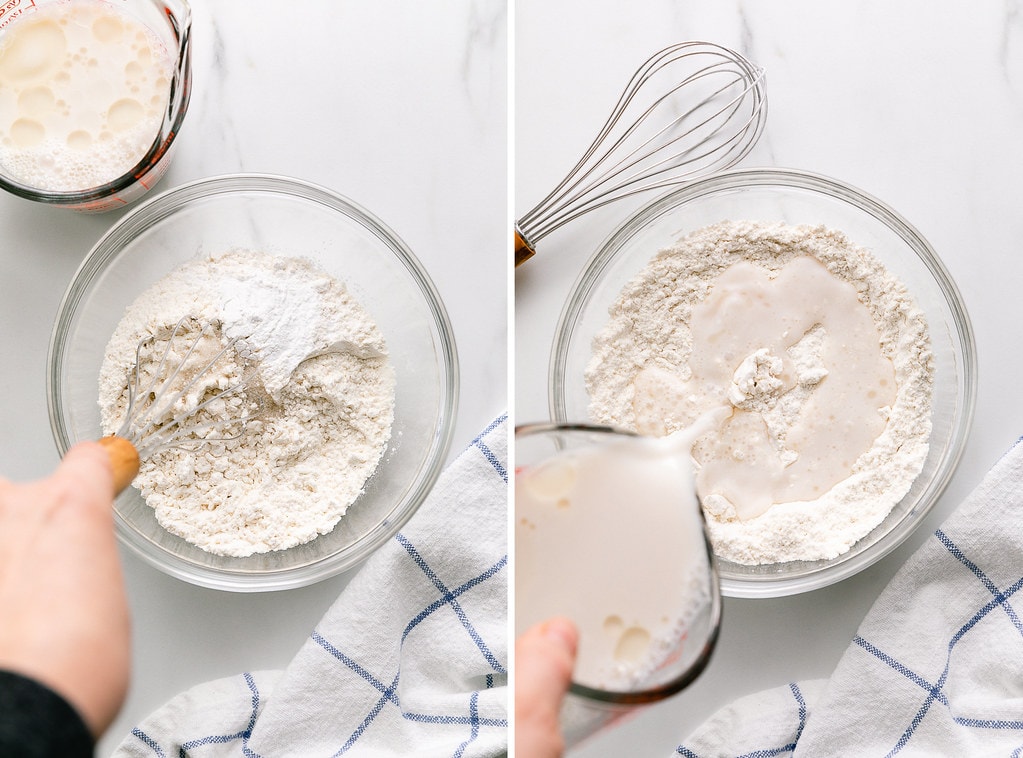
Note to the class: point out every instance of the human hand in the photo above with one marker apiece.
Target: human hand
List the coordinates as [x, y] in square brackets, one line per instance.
[544, 657]
[62, 600]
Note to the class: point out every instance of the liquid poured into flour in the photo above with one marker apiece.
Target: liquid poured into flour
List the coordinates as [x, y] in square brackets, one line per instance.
[744, 333]
[820, 356]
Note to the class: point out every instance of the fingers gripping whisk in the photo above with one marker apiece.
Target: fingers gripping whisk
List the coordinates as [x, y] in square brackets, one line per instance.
[690, 110]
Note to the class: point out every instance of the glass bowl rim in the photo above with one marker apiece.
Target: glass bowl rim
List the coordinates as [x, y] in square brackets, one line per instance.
[962, 336]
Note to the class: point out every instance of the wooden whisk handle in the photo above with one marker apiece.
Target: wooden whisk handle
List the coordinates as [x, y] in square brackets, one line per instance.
[523, 250]
[125, 460]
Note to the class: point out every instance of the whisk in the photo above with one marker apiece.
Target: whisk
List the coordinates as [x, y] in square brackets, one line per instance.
[691, 109]
[166, 400]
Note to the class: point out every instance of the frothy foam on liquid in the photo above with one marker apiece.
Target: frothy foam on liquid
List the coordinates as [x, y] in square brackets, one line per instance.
[83, 90]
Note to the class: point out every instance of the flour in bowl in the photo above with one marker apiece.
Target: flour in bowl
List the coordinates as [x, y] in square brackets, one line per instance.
[318, 381]
[818, 354]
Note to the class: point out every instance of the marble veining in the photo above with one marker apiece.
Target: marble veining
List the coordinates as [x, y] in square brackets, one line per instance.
[399, 106]
[914, 103]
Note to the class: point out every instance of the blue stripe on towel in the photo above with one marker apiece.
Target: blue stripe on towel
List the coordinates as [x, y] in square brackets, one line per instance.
[771, 752]
[485, 449]
[935, 692]
[448, 597]
[475, 722]
[148, 742]
[1001, 598]
[220, 739]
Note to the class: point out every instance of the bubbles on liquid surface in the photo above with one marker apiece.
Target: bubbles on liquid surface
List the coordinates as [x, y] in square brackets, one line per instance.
[552, 480]
[107, 29]
[37, 101]
[632, 645]
[33, 54]
[26, 132]
[85, 88]
[79, 140]
[124, 114]
[613, 625]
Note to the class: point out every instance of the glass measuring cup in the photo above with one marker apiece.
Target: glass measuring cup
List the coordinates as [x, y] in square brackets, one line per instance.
[43, 81]
[609, 533]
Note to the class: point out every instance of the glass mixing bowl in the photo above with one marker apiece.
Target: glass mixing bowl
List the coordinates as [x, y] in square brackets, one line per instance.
[793, 197]
[285, 217]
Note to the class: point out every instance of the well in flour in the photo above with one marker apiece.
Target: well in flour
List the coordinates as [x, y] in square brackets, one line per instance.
[821, 358]
[318, 378]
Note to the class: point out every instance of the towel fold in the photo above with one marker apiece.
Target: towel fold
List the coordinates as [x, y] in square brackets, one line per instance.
[936, 667]
[411, 659]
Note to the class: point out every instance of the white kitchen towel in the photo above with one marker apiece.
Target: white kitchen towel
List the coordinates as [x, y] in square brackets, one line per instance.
[935, 669]
[411, 659]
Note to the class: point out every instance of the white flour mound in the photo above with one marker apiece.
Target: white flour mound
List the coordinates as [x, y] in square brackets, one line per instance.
[315, 361]
[649, 328]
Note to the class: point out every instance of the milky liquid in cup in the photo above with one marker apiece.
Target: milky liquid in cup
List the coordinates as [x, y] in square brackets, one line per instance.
[611, 536]
[83, 90]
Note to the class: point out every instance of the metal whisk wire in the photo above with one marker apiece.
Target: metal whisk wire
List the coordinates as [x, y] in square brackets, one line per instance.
[714, 129]
[143, 426]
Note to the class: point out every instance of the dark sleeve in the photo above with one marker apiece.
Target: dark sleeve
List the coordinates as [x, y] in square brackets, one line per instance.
[36, 722]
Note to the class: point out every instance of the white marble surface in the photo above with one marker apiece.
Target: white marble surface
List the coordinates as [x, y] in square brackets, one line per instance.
[917, 103]
[401, 107]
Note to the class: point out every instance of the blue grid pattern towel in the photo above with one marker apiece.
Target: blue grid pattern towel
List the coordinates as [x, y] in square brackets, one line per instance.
[410, 660]
[935, 669]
